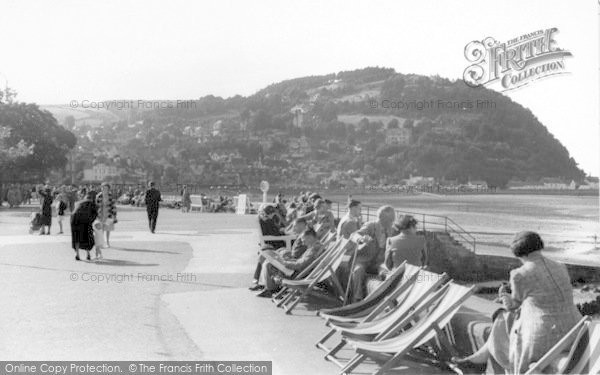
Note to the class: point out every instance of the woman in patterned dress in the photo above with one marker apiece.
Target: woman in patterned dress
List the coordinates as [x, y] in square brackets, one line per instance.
[538, 310]
[107, 211]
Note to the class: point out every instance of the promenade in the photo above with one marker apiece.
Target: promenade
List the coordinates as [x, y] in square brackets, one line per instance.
[179, 294]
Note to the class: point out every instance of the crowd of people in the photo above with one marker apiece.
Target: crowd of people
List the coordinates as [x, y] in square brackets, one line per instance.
[93, 213]
[384, 243]
[537, 305]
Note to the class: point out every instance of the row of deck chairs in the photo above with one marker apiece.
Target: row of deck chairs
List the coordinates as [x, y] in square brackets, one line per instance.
[407, 317]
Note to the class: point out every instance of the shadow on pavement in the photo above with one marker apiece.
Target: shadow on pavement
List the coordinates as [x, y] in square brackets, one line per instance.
[143, 250]
[122, 263]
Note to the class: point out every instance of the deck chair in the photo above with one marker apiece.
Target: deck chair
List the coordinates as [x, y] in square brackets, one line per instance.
[396, 346]
[385, 297]
[300, 289]
[358, 310]
[287, 238]
[331, 246]
[420, 295]
[578, 352]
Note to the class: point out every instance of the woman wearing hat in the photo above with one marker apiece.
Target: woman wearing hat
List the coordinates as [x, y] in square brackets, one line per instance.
[82, 232]
[538, 310]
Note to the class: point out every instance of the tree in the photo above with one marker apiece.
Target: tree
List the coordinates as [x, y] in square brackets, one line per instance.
[47, 142]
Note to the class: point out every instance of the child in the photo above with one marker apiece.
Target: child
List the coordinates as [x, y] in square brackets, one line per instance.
[98, 238]
[62, 206]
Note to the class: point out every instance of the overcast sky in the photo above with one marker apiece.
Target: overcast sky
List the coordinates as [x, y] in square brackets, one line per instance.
[53, 52]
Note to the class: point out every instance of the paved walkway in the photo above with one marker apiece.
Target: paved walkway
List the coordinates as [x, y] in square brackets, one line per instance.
[179, 294]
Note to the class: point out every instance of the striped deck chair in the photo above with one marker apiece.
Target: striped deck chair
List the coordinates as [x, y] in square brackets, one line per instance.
[384, 298]
[300, 289]
[395, 346]
[330, 247]
[357, 311]
[422, 294]
[578, 352]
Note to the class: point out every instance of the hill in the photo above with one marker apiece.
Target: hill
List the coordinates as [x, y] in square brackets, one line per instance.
[372, 124]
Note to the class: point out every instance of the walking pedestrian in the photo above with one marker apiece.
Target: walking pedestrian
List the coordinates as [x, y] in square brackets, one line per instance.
[45, 194]
[152, 200]
[107, 211]
[82, 232]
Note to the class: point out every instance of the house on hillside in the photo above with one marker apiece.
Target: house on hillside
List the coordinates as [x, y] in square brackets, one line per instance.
[298, 111]
[299, 147]
[398, 136]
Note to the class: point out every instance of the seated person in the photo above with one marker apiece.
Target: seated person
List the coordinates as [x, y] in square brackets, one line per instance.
[371, 239]
[295, 252]
[538, 310]
[321, 218]
[271, 225]
[406, 246]
[351, 222]
[270, 277]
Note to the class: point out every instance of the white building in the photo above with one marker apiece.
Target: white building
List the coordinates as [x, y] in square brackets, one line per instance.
[398, 136]
[298, 112]
[99, 172]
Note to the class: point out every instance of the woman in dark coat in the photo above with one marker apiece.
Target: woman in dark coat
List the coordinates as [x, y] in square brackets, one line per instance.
[46, 206]
[82, 233]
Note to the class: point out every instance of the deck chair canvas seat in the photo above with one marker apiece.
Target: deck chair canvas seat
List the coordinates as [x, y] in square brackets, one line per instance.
[578, 352]
[420, 296]
[358, 310]
[396, 345]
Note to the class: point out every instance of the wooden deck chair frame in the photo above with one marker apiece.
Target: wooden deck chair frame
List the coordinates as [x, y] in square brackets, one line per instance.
[300, 289]
[571, 339]
[277, 298]
[391, 333]
[364, 312]
[425, 301]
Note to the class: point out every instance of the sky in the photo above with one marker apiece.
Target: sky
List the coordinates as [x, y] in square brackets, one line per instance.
[59, 51]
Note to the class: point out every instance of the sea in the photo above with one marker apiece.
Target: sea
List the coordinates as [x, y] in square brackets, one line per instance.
[568, 224]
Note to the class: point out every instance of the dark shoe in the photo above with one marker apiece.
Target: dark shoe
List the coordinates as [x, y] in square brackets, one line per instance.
[89, 257]
[265, 294]
[77, 257]
[256, 287]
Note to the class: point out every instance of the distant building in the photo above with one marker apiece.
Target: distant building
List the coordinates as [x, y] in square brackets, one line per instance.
[100, 172]
[546, 183]
[419, 181]
[398, 136]
[299, 147]
[552, 183]
[298, 111]
[477, 184]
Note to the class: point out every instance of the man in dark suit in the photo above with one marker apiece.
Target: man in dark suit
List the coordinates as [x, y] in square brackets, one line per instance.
[152, 198]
